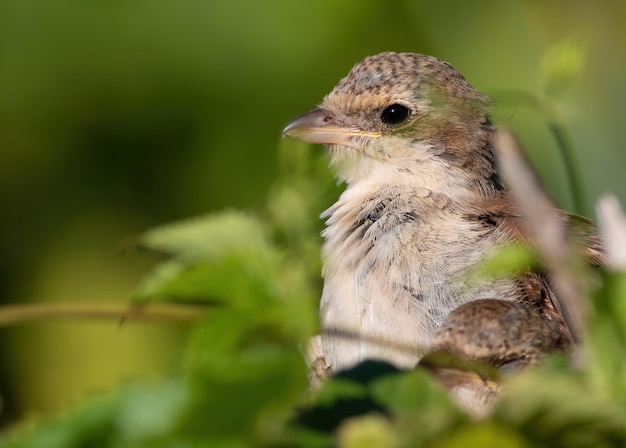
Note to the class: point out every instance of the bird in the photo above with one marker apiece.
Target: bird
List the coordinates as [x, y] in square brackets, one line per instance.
[423, 206]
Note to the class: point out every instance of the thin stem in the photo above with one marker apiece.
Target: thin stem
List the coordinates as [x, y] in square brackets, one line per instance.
[19, 314]
[571, 166]
[559, 133]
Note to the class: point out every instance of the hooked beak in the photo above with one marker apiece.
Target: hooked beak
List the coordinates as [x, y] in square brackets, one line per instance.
[319, 126]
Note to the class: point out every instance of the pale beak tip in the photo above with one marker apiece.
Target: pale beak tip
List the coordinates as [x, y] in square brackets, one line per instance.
[307, 126]
[286, 130]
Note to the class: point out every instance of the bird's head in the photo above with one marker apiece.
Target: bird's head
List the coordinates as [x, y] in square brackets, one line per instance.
[402, 115]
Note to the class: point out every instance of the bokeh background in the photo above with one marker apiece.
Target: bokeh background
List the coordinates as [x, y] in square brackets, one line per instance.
[117, 116]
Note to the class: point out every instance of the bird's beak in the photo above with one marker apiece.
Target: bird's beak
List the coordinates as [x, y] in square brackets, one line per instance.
[319, 126]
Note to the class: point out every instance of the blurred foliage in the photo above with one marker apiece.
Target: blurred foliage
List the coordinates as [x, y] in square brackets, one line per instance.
[562, 64]
[244, 381]
[115, 116]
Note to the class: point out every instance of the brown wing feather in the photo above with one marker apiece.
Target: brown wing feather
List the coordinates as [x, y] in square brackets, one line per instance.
[503, 215]
[585, 234]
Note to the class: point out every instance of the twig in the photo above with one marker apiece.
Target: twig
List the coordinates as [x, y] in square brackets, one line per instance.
[549, 230]
[23, 313]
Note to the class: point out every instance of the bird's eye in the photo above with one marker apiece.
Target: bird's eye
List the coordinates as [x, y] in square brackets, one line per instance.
[395, 114]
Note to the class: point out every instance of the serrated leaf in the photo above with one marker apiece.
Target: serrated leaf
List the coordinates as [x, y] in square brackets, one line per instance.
[210, 237]
[235, 280]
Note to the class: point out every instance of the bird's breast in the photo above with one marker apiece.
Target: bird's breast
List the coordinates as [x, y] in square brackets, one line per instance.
[395, 264]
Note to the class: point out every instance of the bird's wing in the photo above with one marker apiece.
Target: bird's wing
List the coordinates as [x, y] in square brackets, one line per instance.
[585, 234]
[504, 216]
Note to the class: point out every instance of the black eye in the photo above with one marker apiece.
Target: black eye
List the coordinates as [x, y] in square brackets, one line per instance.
[395, 114]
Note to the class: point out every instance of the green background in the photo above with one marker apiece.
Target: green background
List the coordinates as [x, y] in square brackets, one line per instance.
[117, 116]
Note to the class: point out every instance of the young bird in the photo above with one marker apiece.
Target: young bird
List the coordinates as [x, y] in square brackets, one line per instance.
[424, 204]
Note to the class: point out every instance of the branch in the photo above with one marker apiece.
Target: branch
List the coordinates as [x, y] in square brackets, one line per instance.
[23, 313]
[549, 230]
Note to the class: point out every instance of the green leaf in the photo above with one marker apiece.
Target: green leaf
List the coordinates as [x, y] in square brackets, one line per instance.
[562, 64]
[611, 301]
[485, 435]
[233, 345]
[369, 431]
[506, 261]
[210, 237]
[338, 388]
[246, 375]
[421, 407]
[150, 412]
[235, 280]
[555, 406]
[89, 425]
